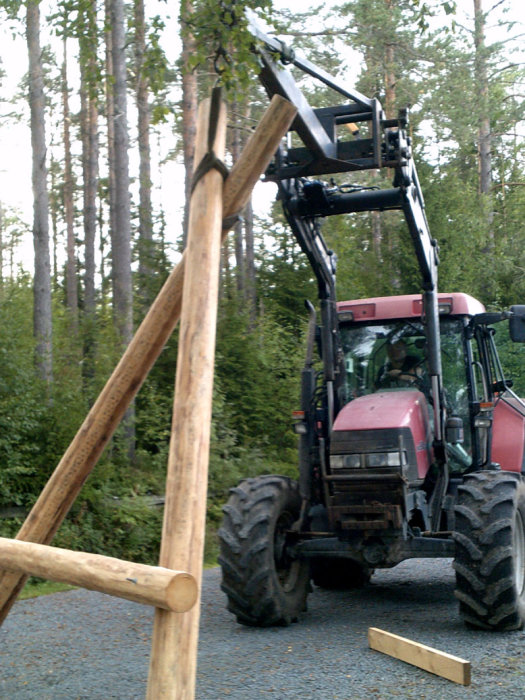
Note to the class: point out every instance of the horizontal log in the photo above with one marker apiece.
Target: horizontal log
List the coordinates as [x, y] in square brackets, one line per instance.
[151, 585]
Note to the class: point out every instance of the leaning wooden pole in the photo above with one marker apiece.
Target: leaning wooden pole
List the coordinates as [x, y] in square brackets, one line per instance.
[149, 585]
[95, 432]
[174, 647]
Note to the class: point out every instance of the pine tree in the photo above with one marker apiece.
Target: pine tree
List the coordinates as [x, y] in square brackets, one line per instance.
[69, 208]
[42, 322]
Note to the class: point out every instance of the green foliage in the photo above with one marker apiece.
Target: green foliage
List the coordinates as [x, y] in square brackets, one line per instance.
[156, 66]
[222, 38]
[258, 374]
[12, 8]
[426, 11]
[285, 279]
[512, 358]
[23, 425]
[128, 528]
[34, 427]
[374, 24]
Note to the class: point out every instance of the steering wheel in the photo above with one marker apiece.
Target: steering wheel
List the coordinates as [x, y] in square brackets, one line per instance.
[403, 378]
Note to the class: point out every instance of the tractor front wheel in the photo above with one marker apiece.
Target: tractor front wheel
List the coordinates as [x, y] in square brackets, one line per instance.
[264, 584]
[490, 550]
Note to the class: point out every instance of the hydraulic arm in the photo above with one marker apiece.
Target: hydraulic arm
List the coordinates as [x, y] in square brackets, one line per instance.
[373, 142]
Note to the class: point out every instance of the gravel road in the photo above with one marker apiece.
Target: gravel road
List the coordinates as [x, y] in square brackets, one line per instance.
[85, 645]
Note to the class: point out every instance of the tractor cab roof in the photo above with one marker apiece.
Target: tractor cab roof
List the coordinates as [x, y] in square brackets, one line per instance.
[406, 306]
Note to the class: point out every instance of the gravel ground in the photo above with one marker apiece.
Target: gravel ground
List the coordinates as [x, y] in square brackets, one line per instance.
[85, 645]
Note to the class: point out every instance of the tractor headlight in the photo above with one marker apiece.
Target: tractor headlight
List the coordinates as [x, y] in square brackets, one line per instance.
[345, 461]
[384, 459]
[374, 459]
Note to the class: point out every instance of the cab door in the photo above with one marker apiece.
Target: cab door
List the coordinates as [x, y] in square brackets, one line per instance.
[508, 426]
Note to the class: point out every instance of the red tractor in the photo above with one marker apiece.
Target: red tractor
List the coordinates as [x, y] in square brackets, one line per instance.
[412, 443]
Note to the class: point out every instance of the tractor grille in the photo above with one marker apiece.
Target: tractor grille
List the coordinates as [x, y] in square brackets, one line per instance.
[364, 498]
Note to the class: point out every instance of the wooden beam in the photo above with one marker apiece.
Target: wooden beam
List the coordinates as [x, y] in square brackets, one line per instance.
[174, 647]
[445, 665]
[150, 585]
[101, 422]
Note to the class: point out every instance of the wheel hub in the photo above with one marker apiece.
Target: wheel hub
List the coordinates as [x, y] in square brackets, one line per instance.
[519, 553]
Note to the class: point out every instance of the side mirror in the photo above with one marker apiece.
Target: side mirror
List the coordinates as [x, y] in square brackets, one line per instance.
[454, 430]
[517, 323]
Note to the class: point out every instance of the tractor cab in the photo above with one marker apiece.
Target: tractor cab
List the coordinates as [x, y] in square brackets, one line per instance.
[384, 346]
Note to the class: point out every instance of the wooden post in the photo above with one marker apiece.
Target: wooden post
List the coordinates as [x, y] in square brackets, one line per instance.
[150, 585]
[88, 444]
[174, 646]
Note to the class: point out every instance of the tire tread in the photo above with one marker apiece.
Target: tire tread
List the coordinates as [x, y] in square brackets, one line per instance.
[484, 550]
[249, 577]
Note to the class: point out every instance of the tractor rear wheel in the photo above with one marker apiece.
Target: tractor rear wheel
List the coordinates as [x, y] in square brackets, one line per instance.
[264, 584]
[339, 574]
[490, 550]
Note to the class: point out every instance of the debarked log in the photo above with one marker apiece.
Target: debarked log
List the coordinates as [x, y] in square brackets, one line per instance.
[151, 585]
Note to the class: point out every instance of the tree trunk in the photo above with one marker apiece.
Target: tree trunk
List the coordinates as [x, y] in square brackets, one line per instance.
[484, 132]
[225, 276]
[251, 288]
[143, 115]
[121, 238]
[122, 283]
[90, 160]
[189, 110]
[90, 204]
[42, 323]
[89, 126]
[71, 268]
[53, 214]
[249, 262]
[110, 119]
[236, 146]
[390, 75]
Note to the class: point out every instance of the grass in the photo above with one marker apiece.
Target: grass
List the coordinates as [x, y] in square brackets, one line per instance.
[35, 588]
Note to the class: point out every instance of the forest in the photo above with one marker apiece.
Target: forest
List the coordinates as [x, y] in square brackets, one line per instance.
[108, 104]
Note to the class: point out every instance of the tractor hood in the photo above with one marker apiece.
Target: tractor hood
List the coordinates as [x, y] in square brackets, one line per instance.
[381, 419]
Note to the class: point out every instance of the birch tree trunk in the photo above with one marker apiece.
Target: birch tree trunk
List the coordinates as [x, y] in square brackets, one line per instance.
[42, 324]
